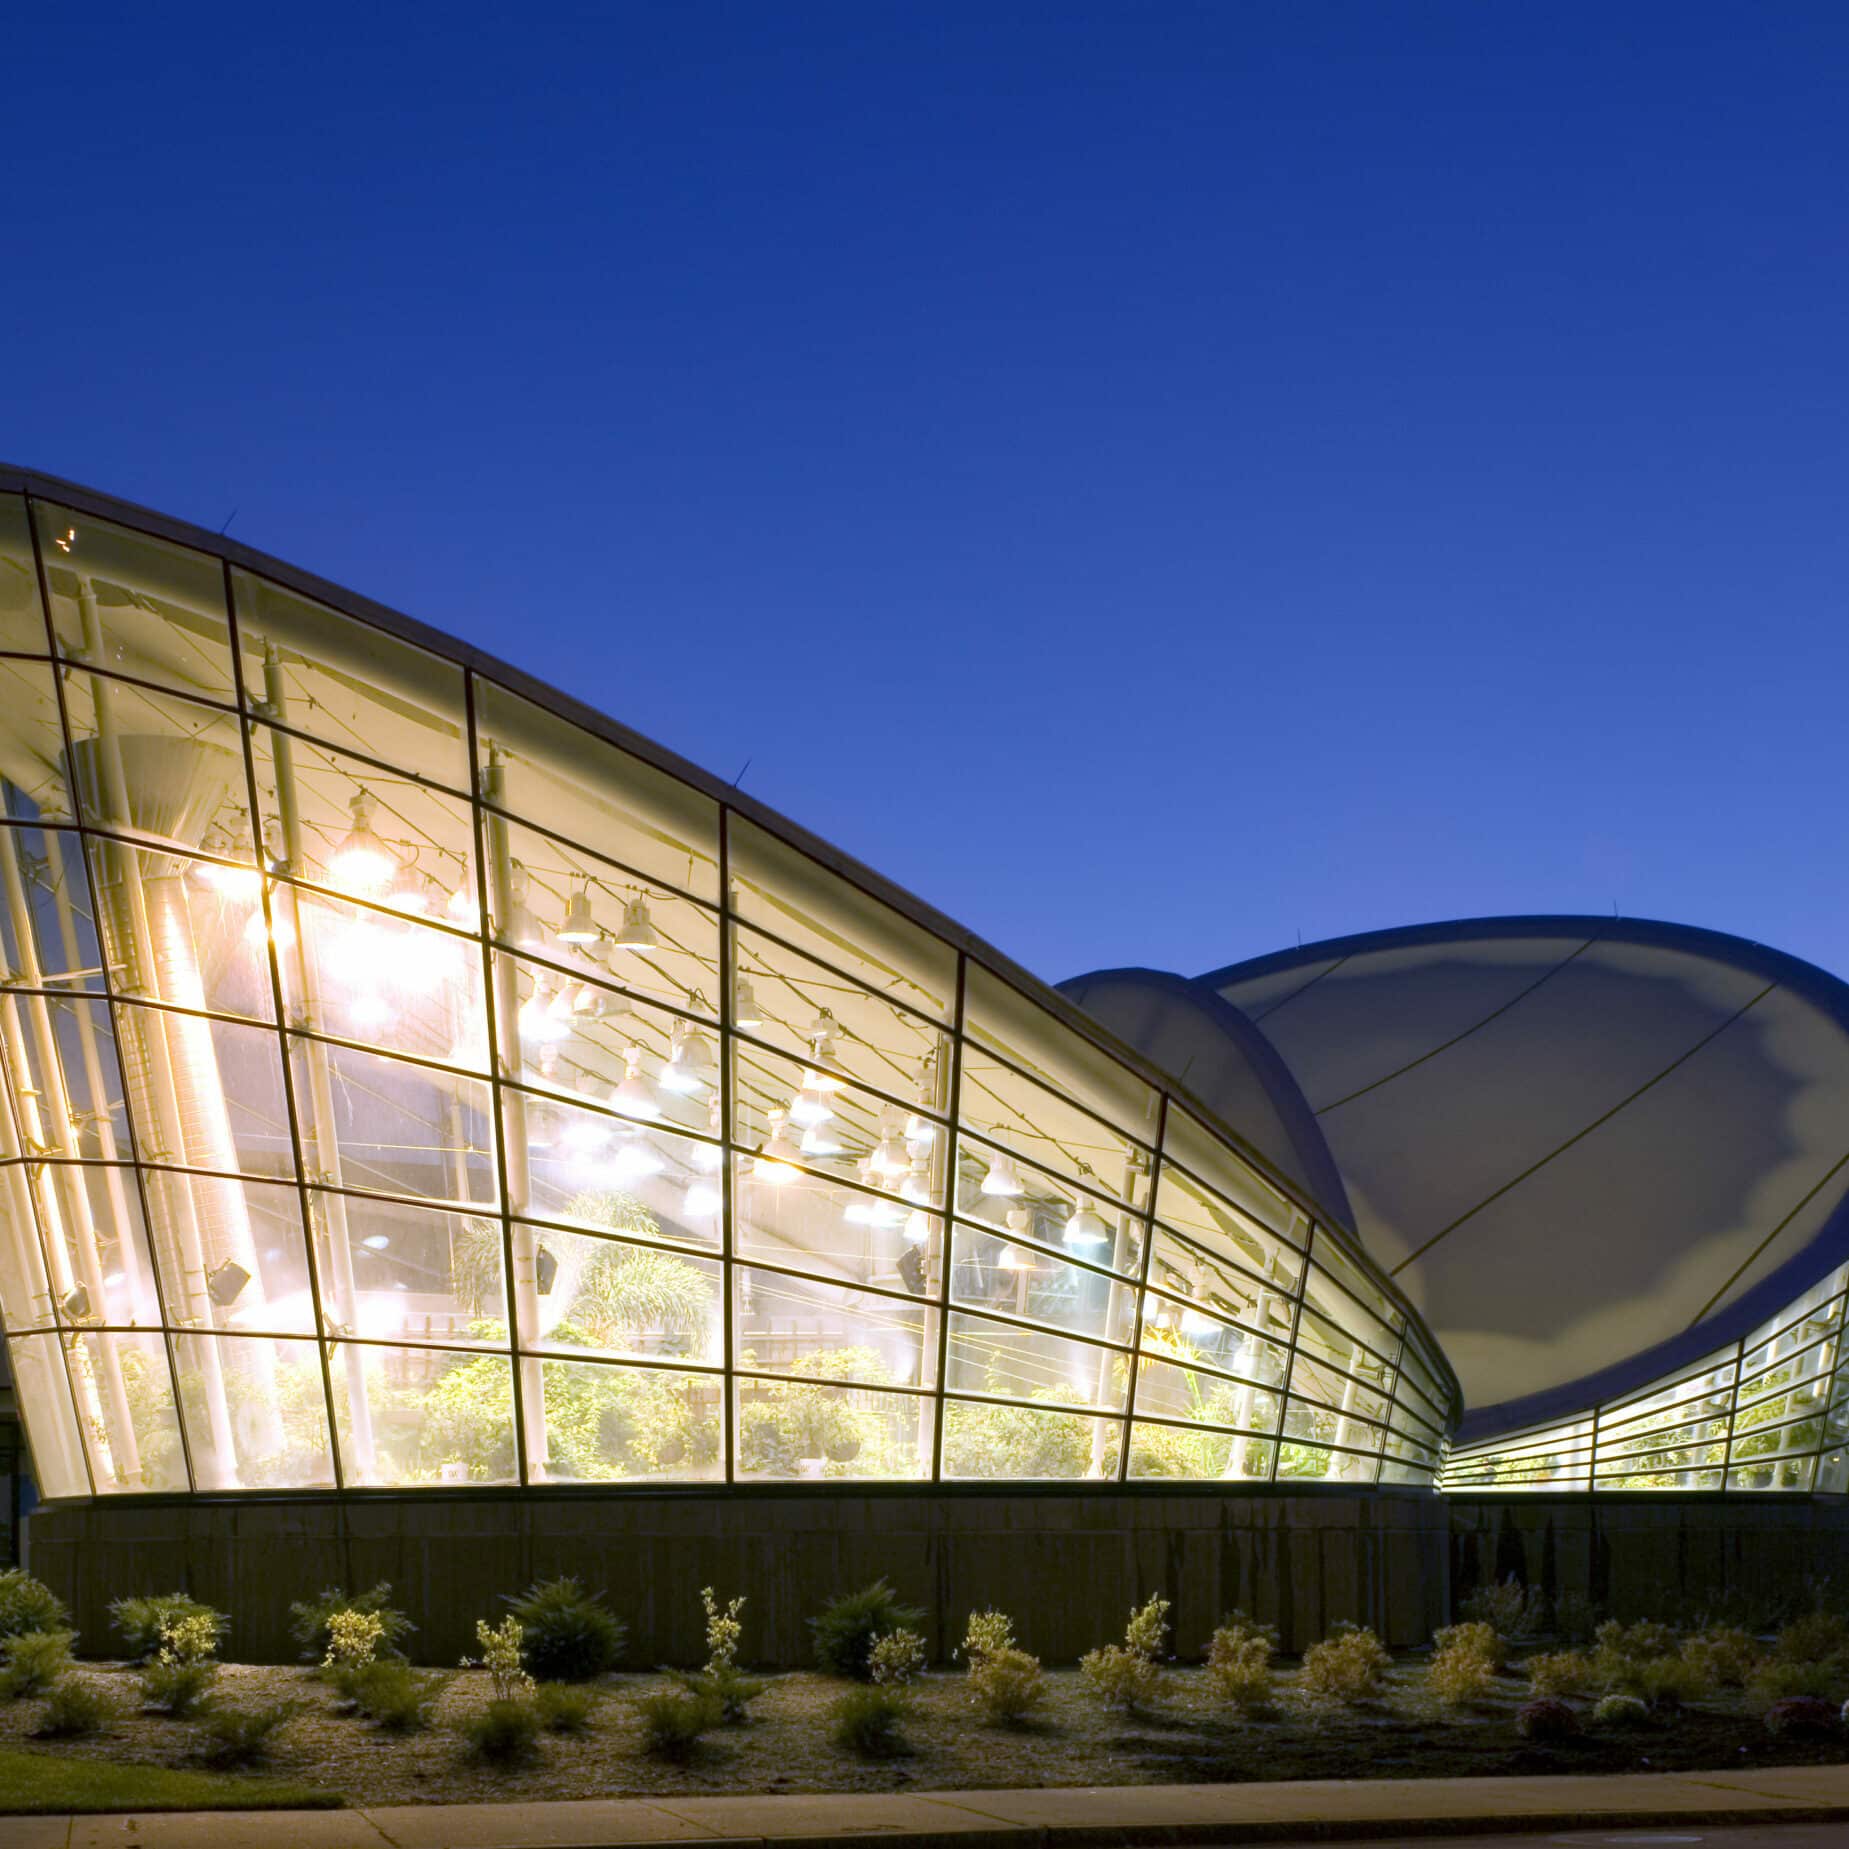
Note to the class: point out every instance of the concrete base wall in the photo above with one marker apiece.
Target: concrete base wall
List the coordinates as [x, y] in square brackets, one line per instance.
[1068, 1566]
[1655, 1556]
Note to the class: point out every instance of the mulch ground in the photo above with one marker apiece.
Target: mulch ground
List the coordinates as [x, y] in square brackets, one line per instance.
[1185, 1737]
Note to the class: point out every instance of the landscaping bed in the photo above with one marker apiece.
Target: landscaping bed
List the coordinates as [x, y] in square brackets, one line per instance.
[1186, 1735]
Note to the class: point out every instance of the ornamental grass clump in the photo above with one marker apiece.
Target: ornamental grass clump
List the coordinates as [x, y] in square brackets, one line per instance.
[1546, 1719]
[183, 1669]
[28, 1604]
[397, 1698]
[1239, 1663]
[570, 1635]
[503, 1734]
[1723, 1656]
[1507, 1607]
[34, 1661]
[239, 1736]
[311, 1620]
[846, 1629]
[674, 1721]
[74, 1708]
[138, 1621]
[1463, 1665]
[1005, 1681]
[1347, 1666]
[564, 1707]
[1561, 1672]
[1620, 1711]
[871, 1721]
[1125, 1676]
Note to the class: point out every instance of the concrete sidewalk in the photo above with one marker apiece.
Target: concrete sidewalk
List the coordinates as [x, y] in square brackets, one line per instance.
[1066, 1818]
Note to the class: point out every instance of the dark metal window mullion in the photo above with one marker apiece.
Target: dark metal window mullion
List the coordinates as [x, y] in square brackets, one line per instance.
[953, 1105]
[728, 1243]
[1312, 1228]
[1142, 1291]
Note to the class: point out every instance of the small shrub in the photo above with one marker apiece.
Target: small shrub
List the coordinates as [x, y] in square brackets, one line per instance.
[725, 1630]
[1777, 1681]
[897, 1658]
[28, 1604]
[1575, 1619]
[1546, 1719]
[1563, 1672]
[138, 1621]
[847, 1628]
[1506, 1607]
[871, 1721]
[397, 1698]
[501, 1656]
[1723, 1655]
[1475, 1639]
[34, 1661]
[674, 1720]
[1007, 1685]
[1121, 1678]
[1456, 1678]
[75, 1706]
[1817, 1637]
[1800, 1717]
[1239, 1664]
[1347, 1666]
[310, 1620]
[181, 1673]
[236, 1736]
[1666, 1681]
[732, 1689]
[1616, 1646]
[987, 1633]
[504, 1733]
[1620, 1711]
[563, 1707]
[569, 1635]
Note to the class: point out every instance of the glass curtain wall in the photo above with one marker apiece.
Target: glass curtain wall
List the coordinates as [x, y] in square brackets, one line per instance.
[407, 1086]
[1769, 1413]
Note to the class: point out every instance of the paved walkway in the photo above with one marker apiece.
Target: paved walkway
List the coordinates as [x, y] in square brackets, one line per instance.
[1067, 1818]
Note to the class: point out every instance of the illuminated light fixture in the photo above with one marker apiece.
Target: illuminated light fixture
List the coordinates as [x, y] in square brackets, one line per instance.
[279, 931]
[522, 927]
[362, 863]
[376, 1242]
[701, 1200]
[690, 1061]
[634, 1096]
[861, 1211]
[819, 1140]
[115, 1280]
[1197, 1322]
[462, 907]
[917, 1227]
[586, 1133]
[638, 931]
[225, 1283]
[811, 1105]
[76, 1303]
[1001, 1181]
[634, 1160]
[890, 1158]
[406, 892]
[537, 1020]
[1014, 1259]
[772, 1162]
[707, 1156]
[821, 1035]
[545, 1270]
[745, 1009]
[920, 1133]
[579, 927]
[369, 1011]
[548, 1060]
[917, 1183]
[1086, 1230]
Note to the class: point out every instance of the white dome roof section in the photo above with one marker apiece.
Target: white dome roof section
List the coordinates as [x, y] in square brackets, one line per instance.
[1586, 1148]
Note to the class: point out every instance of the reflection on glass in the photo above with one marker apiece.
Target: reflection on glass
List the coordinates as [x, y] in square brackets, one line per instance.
[1021, 1443]
[812, 1428]
[612, 1297]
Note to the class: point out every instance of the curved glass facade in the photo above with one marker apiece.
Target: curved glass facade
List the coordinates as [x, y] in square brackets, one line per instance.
[407, 1086]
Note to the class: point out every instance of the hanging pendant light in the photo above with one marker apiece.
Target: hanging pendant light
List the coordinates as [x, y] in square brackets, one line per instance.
[772, 1162]
[1014, 1259]
[578, 926]
[690, 1061]
[707, 1157]
[1197, 1322]
[917, 1183]
[634, 1096]
[1001, 1181]
[745, 1009]
[634, 1161]
[637, 932]
[917, 1228]
[523, 928]
[890, 1158]
[362, 863]
[920, 1132]
[406, 892]
[540, 1019]
[701, 1201]
[1086, 1230]
[820, 1140]
[462, 908]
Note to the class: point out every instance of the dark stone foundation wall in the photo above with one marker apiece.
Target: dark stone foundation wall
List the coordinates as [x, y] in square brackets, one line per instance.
[1656, 1556]
[1067, 1566]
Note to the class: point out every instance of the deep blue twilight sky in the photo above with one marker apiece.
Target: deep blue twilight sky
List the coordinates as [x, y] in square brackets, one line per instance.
[1153, 479]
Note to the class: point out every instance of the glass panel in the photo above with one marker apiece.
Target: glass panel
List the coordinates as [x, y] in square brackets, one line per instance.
[1336, 1390]
[813, 1429]
[59, 949]
[1216, 1225]
[1379, 1310]
[389, 1127]
[101, 1255]
[425, 1415]
[605, 1423]
[1307, 1450]
[124, 1396]
[230, 1253]
[1024, 1202]
[577, 784]
[206, 946]
[349, 683]
[820, 913]
[32, 763]
[135, 605]
[1031, 1364]
[417, 1275]
[43, 1394]
[212, 1095]
[70, 1101]
[256, 1412]
[618, 1299]
[1165, 1391]
[25, 1288]
[833, 1230]
[1202, 1456]
[603, 925]
[990, 1273]
[1220, 1168]
[159, 767]
[1181, 1332]
[1184, 1271]
[825, 1331]
[1022, 1443]
[22, 621]
[792, 1002]
[586, 1168]
[1322, 1340]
